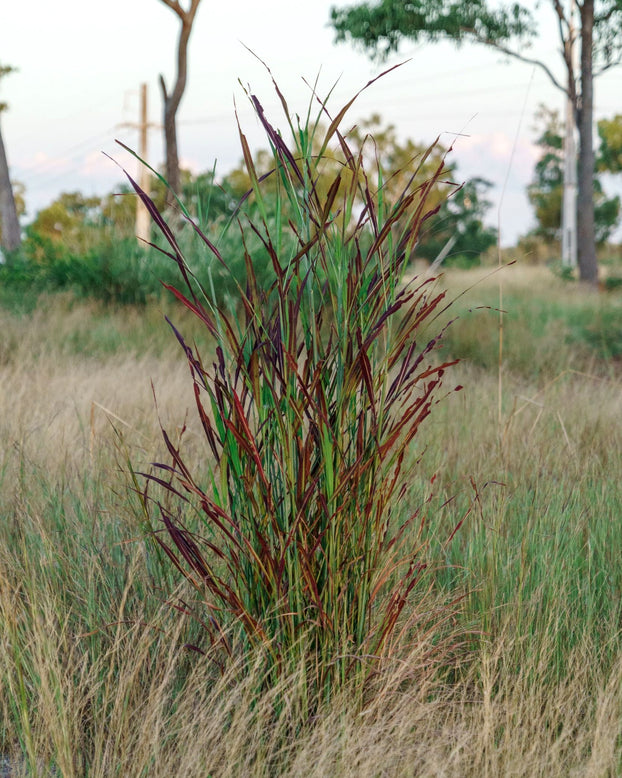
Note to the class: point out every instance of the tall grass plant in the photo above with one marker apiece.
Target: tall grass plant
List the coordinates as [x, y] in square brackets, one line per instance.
[294, 531]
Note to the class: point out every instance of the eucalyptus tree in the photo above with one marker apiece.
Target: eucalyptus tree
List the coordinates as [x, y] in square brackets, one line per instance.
[509, 28]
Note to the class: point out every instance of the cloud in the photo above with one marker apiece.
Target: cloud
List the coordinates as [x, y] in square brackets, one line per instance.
[40, 163]
[492, 154]
[95, 163]
[508, 165]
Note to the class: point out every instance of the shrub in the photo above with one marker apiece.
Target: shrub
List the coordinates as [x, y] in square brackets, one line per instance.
[295, 531]
[121, 272]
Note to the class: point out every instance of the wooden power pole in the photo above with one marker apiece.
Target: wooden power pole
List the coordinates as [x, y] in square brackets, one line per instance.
[143, 220]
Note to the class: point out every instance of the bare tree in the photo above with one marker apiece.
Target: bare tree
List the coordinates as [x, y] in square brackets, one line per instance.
[173, 99]
[10, 237]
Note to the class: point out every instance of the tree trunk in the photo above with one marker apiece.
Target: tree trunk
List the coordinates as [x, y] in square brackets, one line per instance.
[170, 144]
[172, 101]
[586, 240]
[11, 233]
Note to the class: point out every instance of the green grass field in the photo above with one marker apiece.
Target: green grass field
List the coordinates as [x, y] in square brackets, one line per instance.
[524, 677]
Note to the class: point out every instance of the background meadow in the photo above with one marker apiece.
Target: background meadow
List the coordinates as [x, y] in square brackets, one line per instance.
[94, 678]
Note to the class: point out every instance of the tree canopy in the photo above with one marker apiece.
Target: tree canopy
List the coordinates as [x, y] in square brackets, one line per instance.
[380, 27]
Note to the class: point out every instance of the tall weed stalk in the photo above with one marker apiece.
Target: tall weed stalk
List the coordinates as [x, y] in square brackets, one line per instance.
[296, 531]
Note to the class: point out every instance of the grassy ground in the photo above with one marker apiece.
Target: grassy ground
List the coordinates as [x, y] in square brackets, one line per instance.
[94, 678]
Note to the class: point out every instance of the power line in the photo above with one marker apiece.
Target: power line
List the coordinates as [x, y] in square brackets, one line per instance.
[39, 179]
[78, 147]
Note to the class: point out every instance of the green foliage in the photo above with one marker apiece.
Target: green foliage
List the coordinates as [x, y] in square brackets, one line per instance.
[24, 274]
[382, 150]
[454, 213]
[607, 39]
[609, 158]
[459, 224]
[543, 334]
[81, 223]
[546, 191]
[71, 221]
[600, 330]
[87, 245]
[118, 271]
[292, 530]
[113, 272]
[203, 197]
[207, 200]
[380, 27]
[613, 283]
[5, 70]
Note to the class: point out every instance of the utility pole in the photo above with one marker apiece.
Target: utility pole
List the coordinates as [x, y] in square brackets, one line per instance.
[569, 204]
[143, 220]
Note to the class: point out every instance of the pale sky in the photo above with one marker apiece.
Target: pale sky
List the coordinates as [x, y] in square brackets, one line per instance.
[81, 62]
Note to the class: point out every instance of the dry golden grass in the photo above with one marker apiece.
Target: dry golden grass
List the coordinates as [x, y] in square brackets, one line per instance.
[126, 714]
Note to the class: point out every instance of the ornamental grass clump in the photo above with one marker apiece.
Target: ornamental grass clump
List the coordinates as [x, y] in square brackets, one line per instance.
[295, 531]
